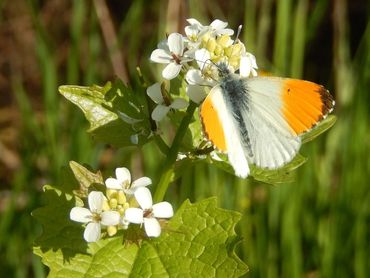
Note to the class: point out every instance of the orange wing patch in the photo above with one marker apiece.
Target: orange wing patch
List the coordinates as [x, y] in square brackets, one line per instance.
[305, 104]
[212, 124]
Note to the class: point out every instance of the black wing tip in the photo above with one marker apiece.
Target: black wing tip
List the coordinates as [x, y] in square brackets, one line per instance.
[328, 101]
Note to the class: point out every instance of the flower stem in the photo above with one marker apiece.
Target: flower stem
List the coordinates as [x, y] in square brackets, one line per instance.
[172, 154]
[161, 144]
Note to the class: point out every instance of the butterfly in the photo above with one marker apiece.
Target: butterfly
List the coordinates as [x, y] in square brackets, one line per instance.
[260, 120]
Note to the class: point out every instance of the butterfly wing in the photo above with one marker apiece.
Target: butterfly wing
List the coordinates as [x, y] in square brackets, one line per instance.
[220, 128]
[272, 142]
[281, 109]
[265, 122]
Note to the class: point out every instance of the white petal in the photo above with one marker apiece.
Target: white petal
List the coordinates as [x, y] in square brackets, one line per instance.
[82, 215]
[218, 24]
[248, 65]
[110, 218]
[194, 77]
[226, 31]
[123, 175]
[171, 71]
[152, 227]
[92, 232]
[163, 210]
[191, 31]
[144, 197]
[160, 112]
[96, 199]
[154, 92]
[245, 66]
[134, 215]
[196, 93]
[219, 28]
[112, 183]
[203, 57]
[252, 59]
[144, 181]
[179, 103]
[176, 44]
[193, 21]
[161, 56]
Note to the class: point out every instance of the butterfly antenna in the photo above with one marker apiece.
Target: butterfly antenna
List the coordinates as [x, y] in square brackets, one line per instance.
[238, 33]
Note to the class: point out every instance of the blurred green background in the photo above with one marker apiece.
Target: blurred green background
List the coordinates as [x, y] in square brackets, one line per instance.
[318, 226]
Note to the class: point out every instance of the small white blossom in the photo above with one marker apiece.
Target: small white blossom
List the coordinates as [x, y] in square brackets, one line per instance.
[148, 213]
[161, 110]
[123, 181]
[94, 216]
[216, 28]
[194, 33]
[172, 54]
[248, 65]
[206, 74]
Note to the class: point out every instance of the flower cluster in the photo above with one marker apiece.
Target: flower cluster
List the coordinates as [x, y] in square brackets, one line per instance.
[197, 54]
[125, 202]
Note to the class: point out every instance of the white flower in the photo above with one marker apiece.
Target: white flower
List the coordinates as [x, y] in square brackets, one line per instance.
[161, 110]
[206, 74]
[123, 181]
[171, 54]
[94, 216]
[216, 28]
[148, 213]
[196, 93]
[194, 33]
[248, 65]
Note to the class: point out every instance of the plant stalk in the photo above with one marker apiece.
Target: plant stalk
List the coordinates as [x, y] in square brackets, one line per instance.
[172, 154]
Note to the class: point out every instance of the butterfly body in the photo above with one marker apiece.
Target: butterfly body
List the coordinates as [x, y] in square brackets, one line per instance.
[259, 120]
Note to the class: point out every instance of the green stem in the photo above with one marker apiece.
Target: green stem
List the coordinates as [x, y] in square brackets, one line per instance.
[172, 154]
[161, 144]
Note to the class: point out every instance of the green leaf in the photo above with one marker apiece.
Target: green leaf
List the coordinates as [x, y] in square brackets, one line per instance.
[60, 234]
[321, 127]
[280, 175]
[91, 101]
[115, 113]
[198, 241]
[85, 178]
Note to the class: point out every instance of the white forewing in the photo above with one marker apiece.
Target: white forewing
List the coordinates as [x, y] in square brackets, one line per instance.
[271, 141]
[235, 150]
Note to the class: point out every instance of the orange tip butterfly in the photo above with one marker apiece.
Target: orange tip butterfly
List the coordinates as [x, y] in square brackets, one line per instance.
[259, 120]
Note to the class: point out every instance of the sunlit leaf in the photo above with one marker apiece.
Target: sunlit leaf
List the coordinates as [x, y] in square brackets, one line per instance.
[115, 113]
[85, 178]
